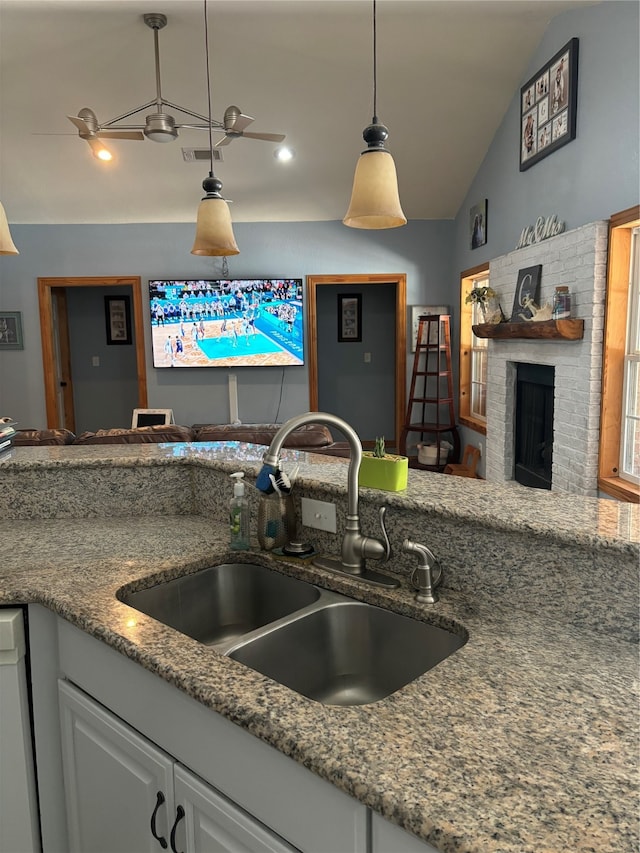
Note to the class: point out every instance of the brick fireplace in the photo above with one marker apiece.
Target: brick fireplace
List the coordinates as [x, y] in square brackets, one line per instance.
[578, 259]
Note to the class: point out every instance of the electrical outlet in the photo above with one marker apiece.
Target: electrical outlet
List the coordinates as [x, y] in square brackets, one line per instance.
[318, 514]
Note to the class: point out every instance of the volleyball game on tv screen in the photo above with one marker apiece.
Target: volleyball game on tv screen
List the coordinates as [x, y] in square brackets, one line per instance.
[227, 323]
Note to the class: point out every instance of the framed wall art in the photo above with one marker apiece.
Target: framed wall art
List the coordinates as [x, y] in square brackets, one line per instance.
[349, 318]
[527, 290]
[117, 311]
[11, 330]
[478, 224]
[416, 312]
[548, 107]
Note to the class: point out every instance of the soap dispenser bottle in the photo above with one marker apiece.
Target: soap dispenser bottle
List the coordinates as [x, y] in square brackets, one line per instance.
[239, 515]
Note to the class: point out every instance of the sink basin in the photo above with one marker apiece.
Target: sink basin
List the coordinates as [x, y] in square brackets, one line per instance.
[347, 652]
[222, 603]
[322, 644]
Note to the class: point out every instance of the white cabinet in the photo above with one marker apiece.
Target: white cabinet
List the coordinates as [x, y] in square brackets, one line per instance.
[388, 838]
[118, 787]
[123, 793]
[277, 793]
[211, 822]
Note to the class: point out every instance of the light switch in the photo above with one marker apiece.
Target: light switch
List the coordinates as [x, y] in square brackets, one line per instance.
[318, 514]
[95, 361]
[367, 357]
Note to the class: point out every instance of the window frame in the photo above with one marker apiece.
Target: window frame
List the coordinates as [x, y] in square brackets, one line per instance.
[621, 226]
[465, 417]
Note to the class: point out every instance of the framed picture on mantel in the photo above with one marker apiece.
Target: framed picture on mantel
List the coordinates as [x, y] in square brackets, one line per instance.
[527, 291]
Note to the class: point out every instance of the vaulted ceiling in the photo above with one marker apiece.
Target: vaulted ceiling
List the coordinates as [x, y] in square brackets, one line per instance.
[447, 71]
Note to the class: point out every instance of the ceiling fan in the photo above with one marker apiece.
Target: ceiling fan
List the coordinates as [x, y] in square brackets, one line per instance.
[160, 126]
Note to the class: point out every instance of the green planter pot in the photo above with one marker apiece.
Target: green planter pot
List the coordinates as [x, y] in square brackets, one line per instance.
[388, 473]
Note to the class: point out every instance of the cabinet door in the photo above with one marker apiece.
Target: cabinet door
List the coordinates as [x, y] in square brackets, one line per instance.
[212, 822]
[118, 786]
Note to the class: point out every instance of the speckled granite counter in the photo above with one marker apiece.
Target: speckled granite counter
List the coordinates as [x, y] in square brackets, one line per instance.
[523, 740]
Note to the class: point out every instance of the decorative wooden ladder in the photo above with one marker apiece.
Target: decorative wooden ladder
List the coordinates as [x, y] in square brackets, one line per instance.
[434, 399]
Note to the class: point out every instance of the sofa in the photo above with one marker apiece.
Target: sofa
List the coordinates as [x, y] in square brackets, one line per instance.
[42, 437]
[312, 438]
[159, 433]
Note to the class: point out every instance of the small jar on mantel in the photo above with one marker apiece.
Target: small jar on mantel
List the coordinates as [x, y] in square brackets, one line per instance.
[561, 303]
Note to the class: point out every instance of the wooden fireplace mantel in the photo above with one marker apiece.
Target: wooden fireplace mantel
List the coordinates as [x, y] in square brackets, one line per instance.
[564, 330]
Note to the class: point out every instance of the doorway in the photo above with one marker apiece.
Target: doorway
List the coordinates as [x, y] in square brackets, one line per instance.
[396, 327]
[56, 343]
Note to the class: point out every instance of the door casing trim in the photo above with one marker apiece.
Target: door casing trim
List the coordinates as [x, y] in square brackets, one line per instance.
[47, 332]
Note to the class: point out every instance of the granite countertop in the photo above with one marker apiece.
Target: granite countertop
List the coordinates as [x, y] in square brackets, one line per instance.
[574, 519]
[523, 741]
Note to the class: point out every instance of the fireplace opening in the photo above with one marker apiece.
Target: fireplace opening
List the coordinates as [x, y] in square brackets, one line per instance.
[534, 425]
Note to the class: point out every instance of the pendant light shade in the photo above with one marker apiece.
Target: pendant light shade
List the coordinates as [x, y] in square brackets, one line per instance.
[375, 202]
[214, 233]
[7, 246]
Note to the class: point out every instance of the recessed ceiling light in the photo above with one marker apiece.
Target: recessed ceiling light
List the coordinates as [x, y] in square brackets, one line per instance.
[284, 153]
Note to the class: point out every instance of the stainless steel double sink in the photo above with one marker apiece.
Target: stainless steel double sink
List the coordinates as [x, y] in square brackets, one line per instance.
[324, 645]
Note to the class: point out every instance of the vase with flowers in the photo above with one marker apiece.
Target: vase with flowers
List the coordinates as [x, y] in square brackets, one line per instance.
[486, 299]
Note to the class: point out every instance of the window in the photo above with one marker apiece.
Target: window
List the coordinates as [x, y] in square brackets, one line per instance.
[619, 463]
[630, 433]
[472, 409]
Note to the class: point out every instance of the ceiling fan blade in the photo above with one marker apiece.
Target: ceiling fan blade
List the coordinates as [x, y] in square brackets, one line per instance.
[80, 123]
[239, 123]
[268, 137]
[236, 121]
[121, 134]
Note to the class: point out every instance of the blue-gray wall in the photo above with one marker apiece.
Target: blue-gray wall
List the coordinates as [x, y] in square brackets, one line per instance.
[422, 250]
[592, 177]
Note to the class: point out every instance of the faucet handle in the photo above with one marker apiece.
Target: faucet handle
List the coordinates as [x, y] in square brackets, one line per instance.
[386, 543]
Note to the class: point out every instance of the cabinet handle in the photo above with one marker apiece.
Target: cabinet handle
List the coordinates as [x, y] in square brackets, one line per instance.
[179, 815]
[162, 841]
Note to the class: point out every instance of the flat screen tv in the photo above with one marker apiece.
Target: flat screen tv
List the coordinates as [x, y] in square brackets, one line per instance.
[227, 323]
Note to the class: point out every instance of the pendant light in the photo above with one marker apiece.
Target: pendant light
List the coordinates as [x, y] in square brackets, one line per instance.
[214, 233]
[375, 202]
[7, 246]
